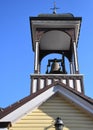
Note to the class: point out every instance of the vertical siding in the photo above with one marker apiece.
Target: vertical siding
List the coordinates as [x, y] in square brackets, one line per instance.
[43, 117]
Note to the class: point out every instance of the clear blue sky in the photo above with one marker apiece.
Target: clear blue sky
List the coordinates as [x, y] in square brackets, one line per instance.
[16, 55]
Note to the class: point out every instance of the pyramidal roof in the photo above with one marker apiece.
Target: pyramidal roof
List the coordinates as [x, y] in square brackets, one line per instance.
[67, 15]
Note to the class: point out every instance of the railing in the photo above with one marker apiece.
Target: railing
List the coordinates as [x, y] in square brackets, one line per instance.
[74, 81]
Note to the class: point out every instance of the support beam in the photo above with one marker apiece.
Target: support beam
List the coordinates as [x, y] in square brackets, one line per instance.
[36, 66]
[71, 68]
[75, 58]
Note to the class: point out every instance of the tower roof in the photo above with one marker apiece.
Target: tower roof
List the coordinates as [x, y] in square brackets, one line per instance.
[69, 15]
[65, 27]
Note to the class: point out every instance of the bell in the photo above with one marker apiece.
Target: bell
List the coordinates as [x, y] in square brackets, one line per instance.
[55, 66]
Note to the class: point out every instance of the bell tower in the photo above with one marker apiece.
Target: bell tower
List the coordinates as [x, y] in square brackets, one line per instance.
[59, 34]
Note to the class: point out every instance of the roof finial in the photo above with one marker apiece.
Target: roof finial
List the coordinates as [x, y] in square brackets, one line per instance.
[54, 8]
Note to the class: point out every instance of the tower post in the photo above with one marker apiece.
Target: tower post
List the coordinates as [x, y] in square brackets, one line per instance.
[75, 58]
[36, 66]
[71, 68]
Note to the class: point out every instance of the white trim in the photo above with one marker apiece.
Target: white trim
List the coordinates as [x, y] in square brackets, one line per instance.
[76, 99]
[36, 55]
[70, 75]
[78, 82]
[75, 57]
[21, 111]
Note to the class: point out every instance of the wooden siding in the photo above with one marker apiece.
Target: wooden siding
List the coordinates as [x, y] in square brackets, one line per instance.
[42, 118]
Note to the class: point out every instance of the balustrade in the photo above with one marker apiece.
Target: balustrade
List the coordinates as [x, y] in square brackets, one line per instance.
[74, 81]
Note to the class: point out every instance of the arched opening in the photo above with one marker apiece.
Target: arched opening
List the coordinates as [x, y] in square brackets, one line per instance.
[46, 66]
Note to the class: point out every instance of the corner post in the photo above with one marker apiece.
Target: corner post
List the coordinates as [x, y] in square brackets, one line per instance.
[36, 62]
[75, 58]
[71, 68]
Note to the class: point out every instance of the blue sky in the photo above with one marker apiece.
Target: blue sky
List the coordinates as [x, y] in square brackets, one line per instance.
[16, 55]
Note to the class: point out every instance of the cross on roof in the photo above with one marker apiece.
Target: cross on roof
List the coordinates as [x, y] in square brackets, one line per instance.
[54, 8]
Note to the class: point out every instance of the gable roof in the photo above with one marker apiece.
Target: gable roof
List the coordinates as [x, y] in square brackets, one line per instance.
[20, 108]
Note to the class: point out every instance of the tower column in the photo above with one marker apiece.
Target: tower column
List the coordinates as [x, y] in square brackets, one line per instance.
[71, 68]
[75, 58]
[36, 66]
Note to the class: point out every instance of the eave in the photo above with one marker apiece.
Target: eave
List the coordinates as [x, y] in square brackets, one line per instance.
[57, 23]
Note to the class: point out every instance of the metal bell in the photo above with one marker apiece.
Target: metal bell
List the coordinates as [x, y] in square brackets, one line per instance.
[55, 66]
